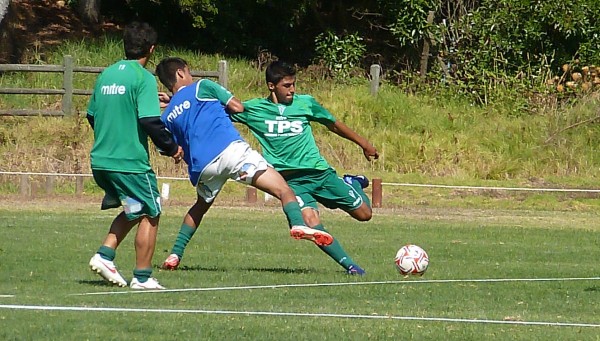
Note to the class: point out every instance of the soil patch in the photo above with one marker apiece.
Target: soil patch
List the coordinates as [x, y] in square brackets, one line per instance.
[30, 28]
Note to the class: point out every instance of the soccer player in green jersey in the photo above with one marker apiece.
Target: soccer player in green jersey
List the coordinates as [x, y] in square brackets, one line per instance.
[282, 125]
[123, 111]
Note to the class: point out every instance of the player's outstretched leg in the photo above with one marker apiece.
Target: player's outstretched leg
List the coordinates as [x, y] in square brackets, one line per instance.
[339, 255]
[270, 181]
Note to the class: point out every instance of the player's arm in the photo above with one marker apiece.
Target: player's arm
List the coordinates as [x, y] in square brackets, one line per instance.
[155, 128]
[344, 131]
[210, 89]
[234, 106]
[90, 120]
[149, 119]
[163, 99]
[91, 109]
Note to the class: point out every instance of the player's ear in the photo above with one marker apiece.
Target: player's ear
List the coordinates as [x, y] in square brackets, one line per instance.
[271, 86]
[180, 73]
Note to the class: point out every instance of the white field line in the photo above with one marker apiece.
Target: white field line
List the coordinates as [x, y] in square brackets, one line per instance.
[6, 296]
[269, 313]
[308, 285]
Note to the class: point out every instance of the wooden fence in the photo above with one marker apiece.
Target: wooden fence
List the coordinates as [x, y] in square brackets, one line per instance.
[69, 70]
[67, 91]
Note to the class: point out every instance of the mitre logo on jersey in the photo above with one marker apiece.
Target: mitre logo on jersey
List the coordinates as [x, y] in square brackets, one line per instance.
[113, 89]
[178, 110]
[281, 126]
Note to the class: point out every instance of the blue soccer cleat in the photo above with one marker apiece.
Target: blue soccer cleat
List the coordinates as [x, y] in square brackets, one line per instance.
[361, 179]
[355, 270]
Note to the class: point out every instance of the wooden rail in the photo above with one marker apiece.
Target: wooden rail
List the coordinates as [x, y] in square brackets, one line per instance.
[69, 69]
[29, 188]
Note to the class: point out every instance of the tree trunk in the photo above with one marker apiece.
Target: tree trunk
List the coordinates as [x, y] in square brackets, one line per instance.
[89, 11]
[7, 43]
[3, 8]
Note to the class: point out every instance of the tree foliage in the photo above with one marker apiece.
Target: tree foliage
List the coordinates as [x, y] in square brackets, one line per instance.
[476, 39]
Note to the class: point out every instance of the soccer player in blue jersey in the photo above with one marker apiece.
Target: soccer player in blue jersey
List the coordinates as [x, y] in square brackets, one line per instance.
[214, 151]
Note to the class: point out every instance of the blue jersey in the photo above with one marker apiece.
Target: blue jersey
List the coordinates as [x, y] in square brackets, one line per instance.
[196, 116]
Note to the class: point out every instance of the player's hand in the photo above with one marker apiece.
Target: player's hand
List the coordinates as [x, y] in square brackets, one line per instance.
[179, 155]
[370, 152]
[163, 99]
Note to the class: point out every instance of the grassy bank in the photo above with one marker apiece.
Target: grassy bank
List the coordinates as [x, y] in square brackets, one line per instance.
[421, 138]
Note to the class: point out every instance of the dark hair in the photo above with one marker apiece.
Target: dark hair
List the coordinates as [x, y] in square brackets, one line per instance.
[166, 71]
[277, 70]
[138, 38]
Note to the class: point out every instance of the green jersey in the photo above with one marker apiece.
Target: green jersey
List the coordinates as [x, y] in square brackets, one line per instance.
[284, 131]
[124, 92]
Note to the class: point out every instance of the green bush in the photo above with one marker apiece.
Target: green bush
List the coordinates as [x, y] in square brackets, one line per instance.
[339, 54]
[511, 45]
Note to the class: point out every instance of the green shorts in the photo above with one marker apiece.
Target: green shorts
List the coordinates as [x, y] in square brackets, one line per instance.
[136, 192]
[324, 187]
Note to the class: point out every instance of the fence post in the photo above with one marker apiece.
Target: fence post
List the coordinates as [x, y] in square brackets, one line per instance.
[377, 193]
[223, 73]
[24, 184]
[67, 99]
[425, 54]
[79, 185]
[375, 71]
[251, 196]
[50, 184]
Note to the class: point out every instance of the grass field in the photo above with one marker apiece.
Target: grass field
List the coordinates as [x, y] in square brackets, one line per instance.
[502, 275]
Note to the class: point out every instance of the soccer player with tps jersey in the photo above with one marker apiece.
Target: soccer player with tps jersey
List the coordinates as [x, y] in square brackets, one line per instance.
[281, 123]
[197, 115]
[123, 111]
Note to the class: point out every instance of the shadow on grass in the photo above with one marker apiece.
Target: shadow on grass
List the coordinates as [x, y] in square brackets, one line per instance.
[216, 269]
[97, 283]
[281, 270]
[193, 268]
[592, 289]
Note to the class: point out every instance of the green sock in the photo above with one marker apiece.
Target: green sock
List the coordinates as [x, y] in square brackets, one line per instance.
[186, 232]
[335, 250]
[107, 253]
[293, 213]
[363, 195]
[142, 274]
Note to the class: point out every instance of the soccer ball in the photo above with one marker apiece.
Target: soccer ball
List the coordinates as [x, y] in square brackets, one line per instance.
[411, 260]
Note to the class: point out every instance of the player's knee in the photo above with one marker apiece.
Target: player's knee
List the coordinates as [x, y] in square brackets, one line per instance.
[284, 191]
[363, 213]
[364, 217]
[311, 218]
